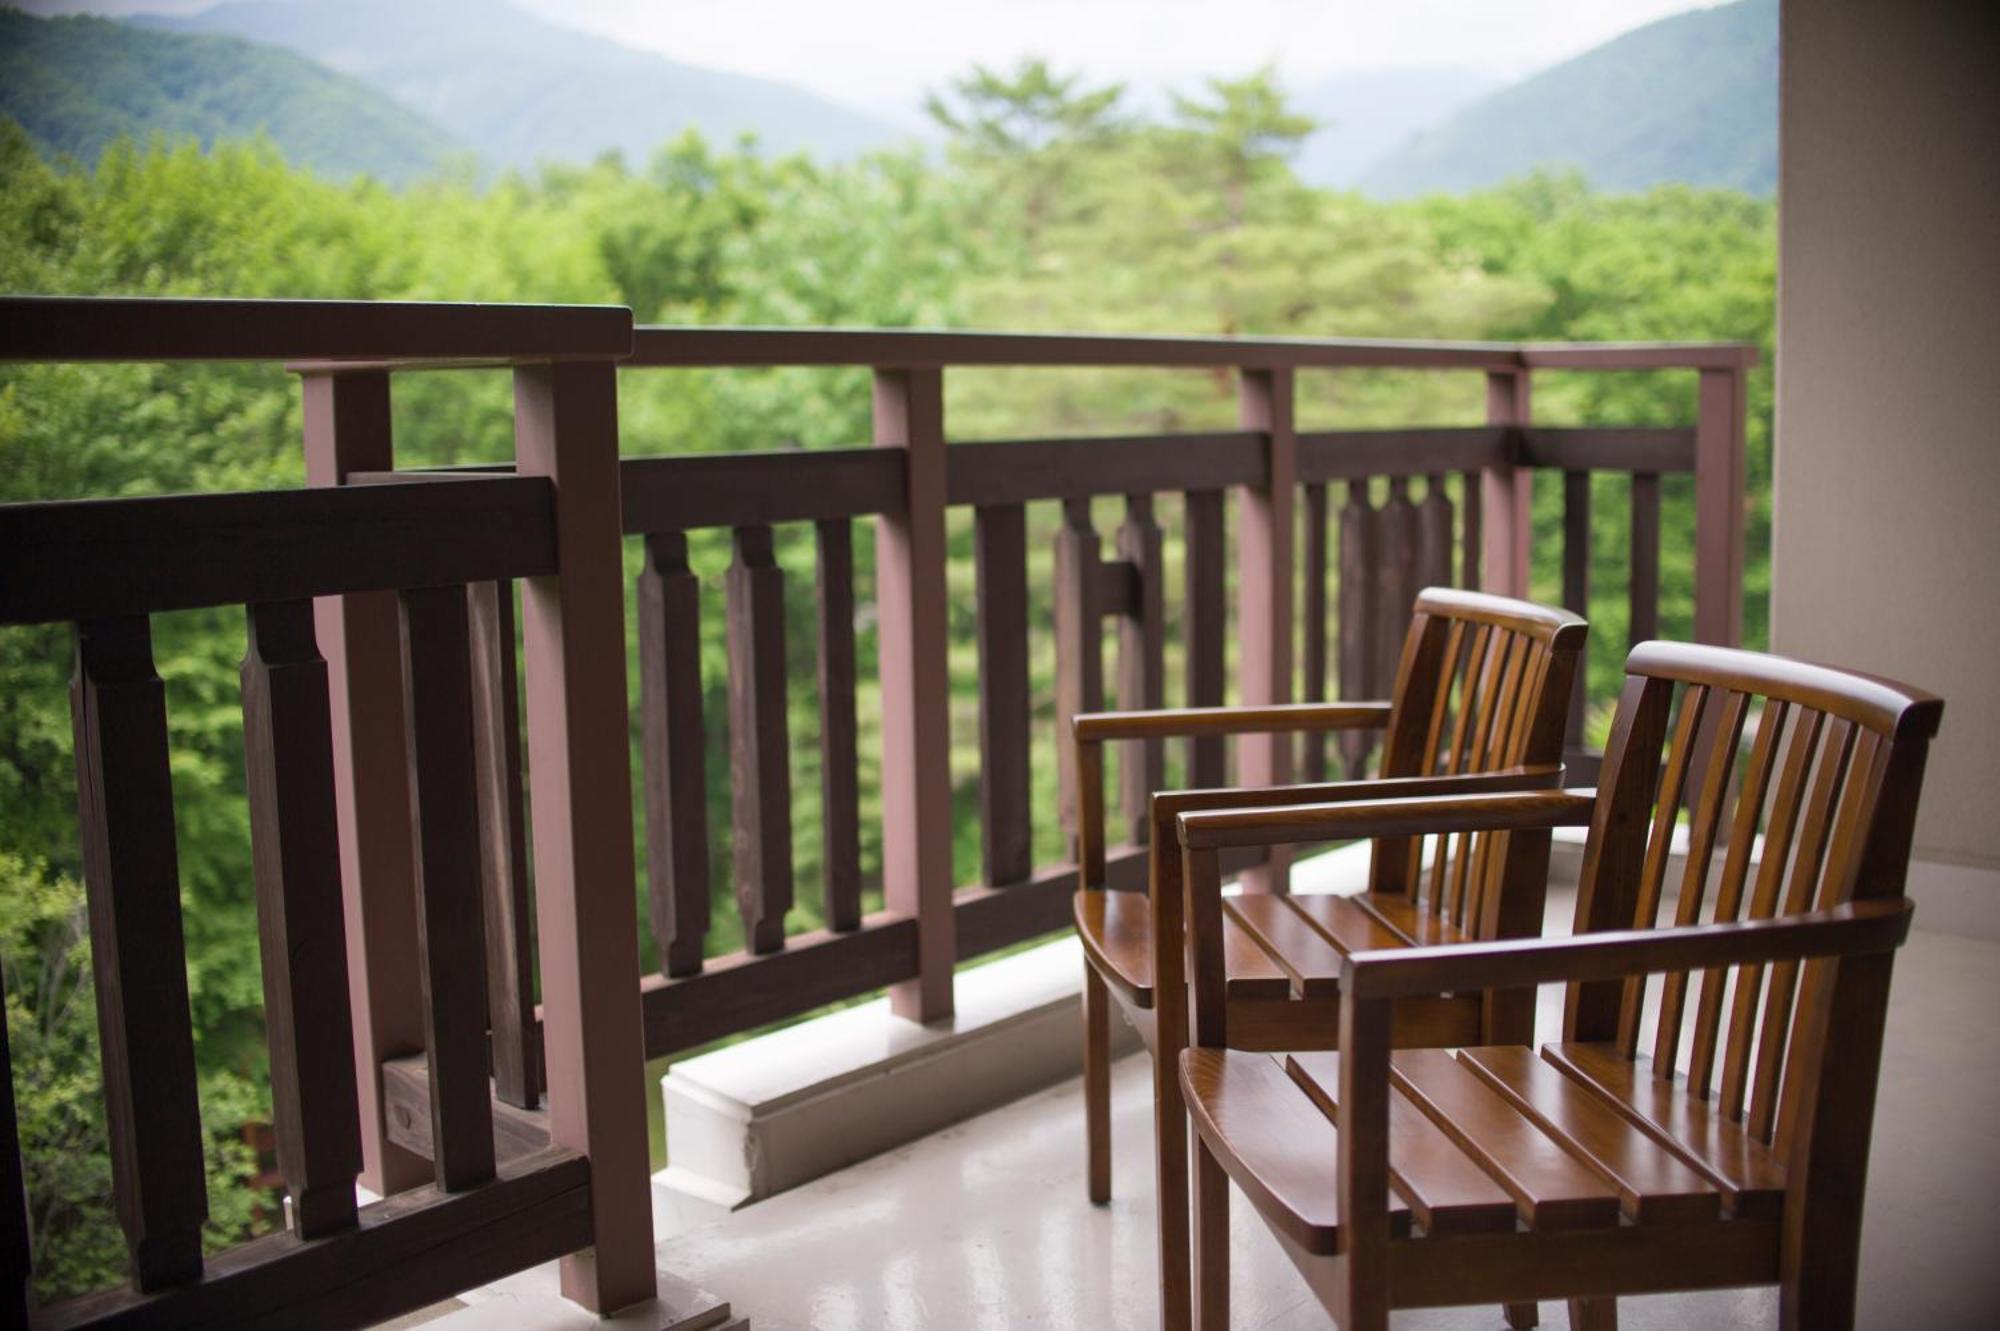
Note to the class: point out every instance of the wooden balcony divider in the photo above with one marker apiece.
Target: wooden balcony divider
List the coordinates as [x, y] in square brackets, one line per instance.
[494, 1093]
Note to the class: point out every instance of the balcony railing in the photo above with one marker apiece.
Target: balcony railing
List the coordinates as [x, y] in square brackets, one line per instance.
[389, 812]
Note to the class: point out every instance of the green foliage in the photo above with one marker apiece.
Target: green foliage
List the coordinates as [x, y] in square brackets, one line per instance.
[79, 84]
[1056, 210]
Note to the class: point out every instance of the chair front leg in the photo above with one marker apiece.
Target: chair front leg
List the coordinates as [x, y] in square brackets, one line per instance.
[1211, 1241]
[1170, 1187]
[1097, 1083]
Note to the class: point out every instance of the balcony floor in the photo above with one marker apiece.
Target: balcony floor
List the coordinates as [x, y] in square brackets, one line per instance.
[985, 1224]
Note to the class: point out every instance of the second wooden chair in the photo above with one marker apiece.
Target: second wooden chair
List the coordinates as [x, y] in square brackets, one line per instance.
[1480, 701]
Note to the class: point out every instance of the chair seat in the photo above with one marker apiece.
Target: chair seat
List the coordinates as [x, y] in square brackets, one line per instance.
[1484, 1138]
[1274, 947]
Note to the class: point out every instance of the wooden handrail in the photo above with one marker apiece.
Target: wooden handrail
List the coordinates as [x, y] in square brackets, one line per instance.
[97, 328]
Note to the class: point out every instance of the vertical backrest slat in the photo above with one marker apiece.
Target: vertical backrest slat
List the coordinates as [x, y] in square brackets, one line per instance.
[1359, 555]
[759, 740]
[1653, 871]
[1829, 779]
[1643, 587]
[1079, 646]
[1312, 649]
[503, 846]
[125, 816]
[1000, 572]
[1204, 616]
[1729, 892]
[1447, 710]
[1142, 660]
[451, 934]
[301, 928]
[839, 762]
[675, 744]
[1780, 830]
[1702, 835]
[1468, 698]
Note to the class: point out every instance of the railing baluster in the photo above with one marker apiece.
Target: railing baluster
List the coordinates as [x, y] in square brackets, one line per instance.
[125, 814]
[451, 932]
[1358, 559]
[301, 931]
[1576, 580]
[503, 846]
[840, 793]
[1507, 492]
[348, 429]
[1395, 581]
[1204, 615]
[676, 746]
[1645, 574]
[1313, 649]
[1142, 661]
[1079, 647]
[1000, 553]
[1718, 503]
[1264, 588]
[759, 743]
[1471, 536]
[1434, 535]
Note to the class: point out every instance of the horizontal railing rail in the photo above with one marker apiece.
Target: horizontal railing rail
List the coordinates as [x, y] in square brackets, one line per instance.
[1296, 552]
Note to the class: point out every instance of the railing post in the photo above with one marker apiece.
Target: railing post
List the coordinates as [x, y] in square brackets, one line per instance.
[1506, 493]
[347, 430]
[1718, 507]
[1264, 616]
[580, 801]
[916, 748]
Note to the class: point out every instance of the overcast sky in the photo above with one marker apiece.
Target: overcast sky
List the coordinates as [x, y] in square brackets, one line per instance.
[883, 53]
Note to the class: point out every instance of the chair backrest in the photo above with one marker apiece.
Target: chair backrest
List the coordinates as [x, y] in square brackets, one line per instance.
[1484, 684]
[1823, 798]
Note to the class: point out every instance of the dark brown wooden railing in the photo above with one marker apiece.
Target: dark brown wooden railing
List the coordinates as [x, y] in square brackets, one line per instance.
[398, 576]
[397, 757]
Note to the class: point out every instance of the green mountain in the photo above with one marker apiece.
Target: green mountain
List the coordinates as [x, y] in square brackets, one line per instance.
[76, 84]
[1690, 98]
[1365, 114]
[523, 90]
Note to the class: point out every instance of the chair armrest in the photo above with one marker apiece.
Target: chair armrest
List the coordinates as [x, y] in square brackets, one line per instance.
[1518, 811]
[1856, 928]
[1185, 722]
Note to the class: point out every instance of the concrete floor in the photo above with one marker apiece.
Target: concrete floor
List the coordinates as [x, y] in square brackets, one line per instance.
[985, 1225]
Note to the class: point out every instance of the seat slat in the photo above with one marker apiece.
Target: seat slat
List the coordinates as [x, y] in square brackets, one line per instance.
[1718, 1148]
[1117, 930]
[1551, 1187]
[1449, 1193]
[1276, 1146]
[1309, 962]
[1413, 924]
[1345, 922]
[1653, 1185]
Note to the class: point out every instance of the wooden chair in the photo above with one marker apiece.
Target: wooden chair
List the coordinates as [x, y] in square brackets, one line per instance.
[1480, 700]
[1426, 1178]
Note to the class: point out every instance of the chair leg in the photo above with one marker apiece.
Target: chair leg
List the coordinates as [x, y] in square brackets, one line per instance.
[1521, 1316]
[1600, 1314]
[1097, 1083]
[1211, 1241]
[1170, 1187]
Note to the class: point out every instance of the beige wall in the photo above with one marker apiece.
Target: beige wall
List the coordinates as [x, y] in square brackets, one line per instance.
[1887, 525]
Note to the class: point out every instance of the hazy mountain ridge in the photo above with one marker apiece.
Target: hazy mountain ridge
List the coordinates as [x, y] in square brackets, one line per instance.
[76, 84]
[1368, 114]
[523, 90]
[1690, 98]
